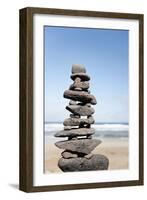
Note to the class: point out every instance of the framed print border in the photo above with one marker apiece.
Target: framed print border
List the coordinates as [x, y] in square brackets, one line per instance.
[26, 99]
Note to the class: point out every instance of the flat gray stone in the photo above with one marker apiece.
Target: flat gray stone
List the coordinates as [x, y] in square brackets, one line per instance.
[74, 116]
[80, 96]
[80, 110]
[82, 76]
[68, 154]
[76, 68]
[78, 89]
[96, 162]
[80, 145]
[78, 121]
[75, 132]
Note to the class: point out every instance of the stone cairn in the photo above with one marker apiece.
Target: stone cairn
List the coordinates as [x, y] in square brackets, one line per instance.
[77, 154]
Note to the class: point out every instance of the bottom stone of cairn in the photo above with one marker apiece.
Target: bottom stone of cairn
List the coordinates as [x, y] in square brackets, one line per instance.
[95, 162]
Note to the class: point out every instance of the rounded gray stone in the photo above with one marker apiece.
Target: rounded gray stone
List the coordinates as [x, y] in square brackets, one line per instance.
[96, 162]
[75, 132]
[76, 68]
[79, 145]
[80, 96]
[68, 154]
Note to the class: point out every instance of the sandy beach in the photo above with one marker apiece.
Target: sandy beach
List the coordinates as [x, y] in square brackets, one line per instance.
[116, 149]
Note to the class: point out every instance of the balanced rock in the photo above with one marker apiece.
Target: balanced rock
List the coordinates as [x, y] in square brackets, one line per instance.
[80, 110]
[84, 85]
[96, 162]
[76, 68]
[80, 72]
[75, 132]
[84, 146]
[78, 121]
[80, 96]
[69, 154]
[82, 76]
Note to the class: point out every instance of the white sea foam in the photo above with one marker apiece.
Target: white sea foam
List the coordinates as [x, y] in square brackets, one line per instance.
[111, 127]
[50, 127]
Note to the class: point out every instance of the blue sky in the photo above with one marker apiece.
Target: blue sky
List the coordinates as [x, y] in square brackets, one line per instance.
[104, 53]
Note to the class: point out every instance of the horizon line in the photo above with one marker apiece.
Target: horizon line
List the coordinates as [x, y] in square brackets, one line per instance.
[103, 122]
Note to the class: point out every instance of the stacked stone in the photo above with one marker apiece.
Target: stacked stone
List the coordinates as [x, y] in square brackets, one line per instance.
[77, 154]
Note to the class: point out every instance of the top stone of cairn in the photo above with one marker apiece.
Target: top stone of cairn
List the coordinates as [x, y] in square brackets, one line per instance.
[76, 69]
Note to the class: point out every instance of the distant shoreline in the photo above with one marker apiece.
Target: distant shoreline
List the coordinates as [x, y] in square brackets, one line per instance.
[101, 130]
[99, 123]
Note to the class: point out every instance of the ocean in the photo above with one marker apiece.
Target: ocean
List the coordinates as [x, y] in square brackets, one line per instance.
[102, 130]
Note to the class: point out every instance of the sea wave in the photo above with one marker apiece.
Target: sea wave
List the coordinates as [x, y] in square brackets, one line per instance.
[50, 127]
[111, 127]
